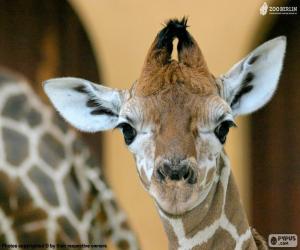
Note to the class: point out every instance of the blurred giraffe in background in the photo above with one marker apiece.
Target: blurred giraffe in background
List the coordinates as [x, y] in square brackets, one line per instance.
[51, 187]
[175, 120]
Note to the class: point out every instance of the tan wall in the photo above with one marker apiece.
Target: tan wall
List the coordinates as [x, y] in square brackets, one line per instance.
[121, 32]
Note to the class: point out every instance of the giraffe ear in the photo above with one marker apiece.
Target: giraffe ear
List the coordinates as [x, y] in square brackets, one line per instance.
[87, 106]
[251, 83]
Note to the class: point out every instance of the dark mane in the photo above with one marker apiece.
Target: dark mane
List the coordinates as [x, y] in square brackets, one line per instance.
[174, 28]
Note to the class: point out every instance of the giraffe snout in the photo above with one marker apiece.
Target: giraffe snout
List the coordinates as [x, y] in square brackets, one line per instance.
[176, 172]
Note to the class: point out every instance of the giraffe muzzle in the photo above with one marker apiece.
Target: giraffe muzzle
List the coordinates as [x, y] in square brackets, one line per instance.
[180, 172]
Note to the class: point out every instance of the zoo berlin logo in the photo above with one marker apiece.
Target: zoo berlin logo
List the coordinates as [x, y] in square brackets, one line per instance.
[283, 240]
[278, 10]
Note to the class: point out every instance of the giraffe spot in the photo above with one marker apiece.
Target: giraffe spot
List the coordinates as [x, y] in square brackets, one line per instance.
[74, 196]
[51, 150]
[91, 197]
[2, 235]
[250, 244]
[232, 203]
[29, 215]
[114, 205]
[45, 185]
[107, 232]
[220, 239]
[92, 161]
[102, 216]
[59, 239]
[67, 229]
[5, 192]
[102, 219]
[123, 244]
[33, 117]
[171, 234]
[95, 232]
[38, 237]
[60, 123]
[74, 177]
[15, 145]
[257, 240]
[15, 107]
[14, 197]
[125, 225]
[21, 194]
[78, 146]
[29, 223]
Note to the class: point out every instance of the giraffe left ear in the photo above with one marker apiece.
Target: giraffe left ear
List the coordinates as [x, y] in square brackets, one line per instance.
[251, 83]
[87, 106]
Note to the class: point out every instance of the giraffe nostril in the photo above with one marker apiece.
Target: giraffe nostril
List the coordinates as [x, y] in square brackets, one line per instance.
[187, 174]
[176, 172]
[191, 177]
[160, 174]
[166, 169]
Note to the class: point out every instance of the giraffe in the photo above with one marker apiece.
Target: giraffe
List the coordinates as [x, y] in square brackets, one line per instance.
[175, 119]
[52, 190]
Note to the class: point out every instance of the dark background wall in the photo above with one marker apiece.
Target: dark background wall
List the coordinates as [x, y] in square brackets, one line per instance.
[276, 142]
[44, 39]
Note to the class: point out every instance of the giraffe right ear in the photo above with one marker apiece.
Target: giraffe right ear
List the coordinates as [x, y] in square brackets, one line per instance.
[87, 106]
[251, 83]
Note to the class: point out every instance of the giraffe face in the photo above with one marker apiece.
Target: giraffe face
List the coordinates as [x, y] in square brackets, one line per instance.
[175, 118]
[176, 137]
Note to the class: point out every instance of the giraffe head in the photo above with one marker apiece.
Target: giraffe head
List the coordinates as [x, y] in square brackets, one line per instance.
[176, 116]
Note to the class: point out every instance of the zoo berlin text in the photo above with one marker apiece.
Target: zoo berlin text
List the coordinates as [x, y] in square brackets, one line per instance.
[53, 246]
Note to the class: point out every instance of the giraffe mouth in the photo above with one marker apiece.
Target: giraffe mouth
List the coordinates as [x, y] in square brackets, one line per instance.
[175, 197]
[176, 187]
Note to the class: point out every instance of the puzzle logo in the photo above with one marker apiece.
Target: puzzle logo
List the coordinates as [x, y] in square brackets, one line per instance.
[263, 9]
[283, 240]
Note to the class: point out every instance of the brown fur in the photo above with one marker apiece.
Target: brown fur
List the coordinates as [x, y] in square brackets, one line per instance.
[171, 235]
[154, 80]
[259, 240]
[238, 219]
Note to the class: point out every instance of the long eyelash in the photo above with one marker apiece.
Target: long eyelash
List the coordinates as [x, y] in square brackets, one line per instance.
[228, 124]
[232, 124]
[119, 126]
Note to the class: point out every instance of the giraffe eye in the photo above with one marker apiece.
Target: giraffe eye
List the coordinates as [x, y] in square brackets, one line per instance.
[222, 130]
[128, 131]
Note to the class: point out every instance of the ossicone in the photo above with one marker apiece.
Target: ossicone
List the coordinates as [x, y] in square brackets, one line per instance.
[188, 50]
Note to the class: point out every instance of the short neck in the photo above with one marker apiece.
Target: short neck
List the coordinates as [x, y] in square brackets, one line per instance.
[219, 222]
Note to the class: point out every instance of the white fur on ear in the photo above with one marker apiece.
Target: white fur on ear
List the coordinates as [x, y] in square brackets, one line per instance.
[251, 83]
[87, 106]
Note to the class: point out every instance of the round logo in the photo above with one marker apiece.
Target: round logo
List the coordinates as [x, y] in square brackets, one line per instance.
[273, 240]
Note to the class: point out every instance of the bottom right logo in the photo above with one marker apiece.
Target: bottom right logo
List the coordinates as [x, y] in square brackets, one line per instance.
[283, 240]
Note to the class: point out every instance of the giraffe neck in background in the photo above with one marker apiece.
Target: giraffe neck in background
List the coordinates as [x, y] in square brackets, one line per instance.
[219, 222]
[51, 186]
